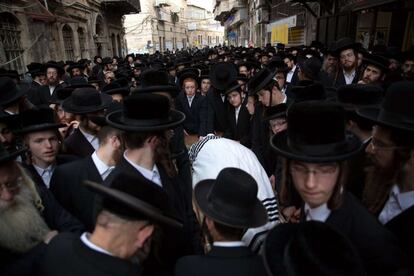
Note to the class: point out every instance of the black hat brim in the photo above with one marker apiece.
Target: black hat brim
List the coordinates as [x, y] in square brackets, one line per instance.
[134, 203]
[60, 70]
[275, 116]
[116, 119]
[262, 84]
[70, 107]
[257, 219]
[123, 91]
[372, 114]
[369, 61]
[17, 94]
[39, 127]
[353, 146]
[11, 156]
[173, 90]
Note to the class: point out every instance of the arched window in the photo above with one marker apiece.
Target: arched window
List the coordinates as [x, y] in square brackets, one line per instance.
[10, 41]
[82, 41]
[68, 42]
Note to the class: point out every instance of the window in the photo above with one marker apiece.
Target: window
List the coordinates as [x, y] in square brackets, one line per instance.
[68, 42]
[10, 39]
[82, 41]
[113, 41]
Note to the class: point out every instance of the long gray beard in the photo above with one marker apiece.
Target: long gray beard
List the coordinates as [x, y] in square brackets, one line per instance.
[21, 225]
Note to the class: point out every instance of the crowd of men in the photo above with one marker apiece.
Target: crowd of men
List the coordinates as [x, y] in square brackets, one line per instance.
[96, 179]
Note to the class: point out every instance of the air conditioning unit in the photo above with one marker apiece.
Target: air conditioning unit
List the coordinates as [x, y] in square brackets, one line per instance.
[262, 16]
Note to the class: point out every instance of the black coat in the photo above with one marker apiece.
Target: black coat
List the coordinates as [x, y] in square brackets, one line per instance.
[222, 261]
[339, 79]
[217, 119]
[185, 241]
[376, 245]
[67, 186]
[195, 116]
[42, 96]
[240, 130]
[403, 228]
[68, 255]
[78, 145]
[295, 77]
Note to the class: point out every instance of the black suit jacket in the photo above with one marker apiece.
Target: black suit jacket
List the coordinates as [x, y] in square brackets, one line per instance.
[68, 255]
[403, 228]
[67, 186]
[340, 79]
[217, 119]
[42, 96]
[196, 115]
[376, 245]
[77, 144]
[222, 261]
[175, 243]
[239, 130]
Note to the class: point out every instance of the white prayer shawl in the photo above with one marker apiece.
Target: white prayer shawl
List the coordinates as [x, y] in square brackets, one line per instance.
[212, 154]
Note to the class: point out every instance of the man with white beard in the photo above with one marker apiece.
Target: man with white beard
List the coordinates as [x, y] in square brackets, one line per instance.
[29, 218]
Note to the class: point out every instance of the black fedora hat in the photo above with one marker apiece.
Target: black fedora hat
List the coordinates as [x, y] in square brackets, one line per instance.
[61, 94]
[260, 80]
[311, 92]
[156, 81]
[135, 198]
[86, 100]
[106, 60]
[353, 96]
[55, 65]
[344, 44]
[115, 88]
[191, 73]
[145, 112]
[100, 120]
[222, 74]
[317, 134]
[9, 92]
[231, 199]
[397, 109]
[79, 82]
[32, 120]
[35, 69]
[377, 60]
[310, 248]
[233, 86]
[6, 156]
[275, 112]
[78, 65]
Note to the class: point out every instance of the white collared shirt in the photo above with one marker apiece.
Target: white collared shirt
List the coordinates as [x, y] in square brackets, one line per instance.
[349, 77]
[236, 112]
[152, 175]
[396, 204]
[290, 74]
[103, 169]
[85, 239]
[320, 213]
[229, 243]
[46, 174]
[92, 139]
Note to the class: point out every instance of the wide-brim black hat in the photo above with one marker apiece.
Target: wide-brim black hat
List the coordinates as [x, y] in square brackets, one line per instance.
[275, 112]
[231, 199]
[80, 66]
[344, 44]
[86, 100]
[222, 74]
[145, 112]
[9, 92]
[260, 80]
[316, 133]
[127, 204]
[191, 73]
[234, 86]
[377, 60]
[115, 88]
[310, 248]
[33, 120]
[156, 81]
[353, 96]
[79, 82]
[6, 156]
[55, 65]
[397, 109]
[312, 91]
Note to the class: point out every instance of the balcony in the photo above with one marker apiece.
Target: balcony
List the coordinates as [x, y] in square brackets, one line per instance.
[222, 10]
[237, 18]
[235, 5]
[122, 6]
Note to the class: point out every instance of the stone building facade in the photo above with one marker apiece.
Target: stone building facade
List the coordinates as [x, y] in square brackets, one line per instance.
[43, 30]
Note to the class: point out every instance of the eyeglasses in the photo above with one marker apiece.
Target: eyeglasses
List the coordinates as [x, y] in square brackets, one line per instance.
[324, 170]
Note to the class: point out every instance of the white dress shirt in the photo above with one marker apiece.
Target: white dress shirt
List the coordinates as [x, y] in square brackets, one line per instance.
[236, 112]
[92, 139]
[396, 204]
[229, 243]
[84, 238]
[46, 174]
[290, 74]
[320, 213]
[103, 169]
[152, 175]
[349, 77]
